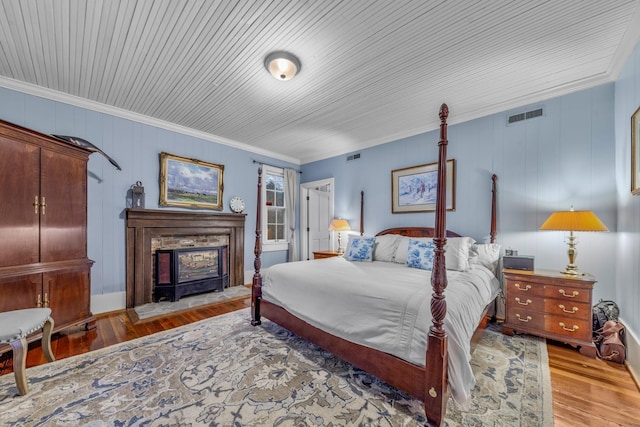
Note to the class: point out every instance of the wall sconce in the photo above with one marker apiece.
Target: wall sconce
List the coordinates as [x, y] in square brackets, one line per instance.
[282, 65]
[339, 225]
[573, 221]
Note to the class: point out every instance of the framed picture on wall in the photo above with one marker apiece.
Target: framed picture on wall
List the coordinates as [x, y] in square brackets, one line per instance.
[635, 152]
[414, 189]
[190, 183]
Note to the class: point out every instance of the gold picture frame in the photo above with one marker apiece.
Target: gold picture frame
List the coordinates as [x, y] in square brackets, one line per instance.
[414, 189]
[190, 183]
[635, 152]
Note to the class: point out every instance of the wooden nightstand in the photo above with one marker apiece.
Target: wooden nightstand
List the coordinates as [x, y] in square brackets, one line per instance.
[325, 254]
[550, 304]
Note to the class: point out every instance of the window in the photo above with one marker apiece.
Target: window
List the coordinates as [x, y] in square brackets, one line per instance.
[274, 228]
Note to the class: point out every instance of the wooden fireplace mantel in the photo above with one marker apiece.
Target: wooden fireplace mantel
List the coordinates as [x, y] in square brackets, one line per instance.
[145, 224]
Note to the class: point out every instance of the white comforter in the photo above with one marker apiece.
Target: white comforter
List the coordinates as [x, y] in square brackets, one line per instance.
[385, 306]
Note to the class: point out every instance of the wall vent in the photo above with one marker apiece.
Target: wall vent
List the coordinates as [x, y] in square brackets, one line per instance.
[353, 157]
[515, 118]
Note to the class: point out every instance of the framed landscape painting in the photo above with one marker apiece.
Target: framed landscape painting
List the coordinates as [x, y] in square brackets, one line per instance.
[414, 189]
[190, 183]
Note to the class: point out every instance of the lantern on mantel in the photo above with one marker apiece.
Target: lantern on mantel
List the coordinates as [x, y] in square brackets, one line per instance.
[137, 195]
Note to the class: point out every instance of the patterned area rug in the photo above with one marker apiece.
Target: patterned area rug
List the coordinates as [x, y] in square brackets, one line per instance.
[163, 307]
[224, 372]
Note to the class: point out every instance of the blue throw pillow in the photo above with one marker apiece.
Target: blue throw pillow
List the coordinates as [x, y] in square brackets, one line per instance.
[420, 254]
[361, 249]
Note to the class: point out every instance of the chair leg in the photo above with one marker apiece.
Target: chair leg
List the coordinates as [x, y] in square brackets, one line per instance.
[46, 340]
[20, 348]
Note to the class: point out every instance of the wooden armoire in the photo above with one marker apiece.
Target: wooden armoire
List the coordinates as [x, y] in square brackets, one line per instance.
[43, 226]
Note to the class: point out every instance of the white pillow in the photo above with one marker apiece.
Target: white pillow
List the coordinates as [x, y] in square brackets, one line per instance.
[487, 255]
[386, 246]
[457, 253]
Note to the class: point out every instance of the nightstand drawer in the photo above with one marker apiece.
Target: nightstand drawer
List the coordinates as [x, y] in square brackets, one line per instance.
[526, 319]
[572, 328]
[526, 302]
[568, 293]
[523, 288]
[569, 309]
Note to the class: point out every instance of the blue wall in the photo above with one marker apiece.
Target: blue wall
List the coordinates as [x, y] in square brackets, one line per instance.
[543, 164]
[136, 147]
[627, 286]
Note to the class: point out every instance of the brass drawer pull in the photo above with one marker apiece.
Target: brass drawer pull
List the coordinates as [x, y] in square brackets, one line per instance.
[527, 302]
[575, 327]
[563, 308]
[573, 294]
[526, 288]
[523, 320]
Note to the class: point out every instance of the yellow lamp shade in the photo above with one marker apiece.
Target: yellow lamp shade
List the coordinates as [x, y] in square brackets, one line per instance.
[339, 225]
[573, 221]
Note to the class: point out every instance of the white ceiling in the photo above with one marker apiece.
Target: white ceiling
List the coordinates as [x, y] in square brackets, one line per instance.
[372, 71]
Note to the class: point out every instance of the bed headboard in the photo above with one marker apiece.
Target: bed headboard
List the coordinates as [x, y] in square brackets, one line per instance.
[415, 232]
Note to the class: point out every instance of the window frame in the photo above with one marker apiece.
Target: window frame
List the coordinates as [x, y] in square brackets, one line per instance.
[272, 245]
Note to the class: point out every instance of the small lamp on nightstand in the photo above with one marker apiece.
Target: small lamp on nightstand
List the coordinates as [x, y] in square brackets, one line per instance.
[339, 225]
[573, 221]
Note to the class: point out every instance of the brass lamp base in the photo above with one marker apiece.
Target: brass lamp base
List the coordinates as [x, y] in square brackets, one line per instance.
[572, 268]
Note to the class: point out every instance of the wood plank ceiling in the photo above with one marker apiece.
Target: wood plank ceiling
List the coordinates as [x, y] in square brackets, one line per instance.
[372, 71]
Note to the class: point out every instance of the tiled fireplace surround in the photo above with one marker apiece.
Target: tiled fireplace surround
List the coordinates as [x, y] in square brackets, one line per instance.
[149, 230]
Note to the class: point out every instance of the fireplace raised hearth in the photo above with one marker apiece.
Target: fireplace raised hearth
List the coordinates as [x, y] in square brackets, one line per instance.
[149, 230]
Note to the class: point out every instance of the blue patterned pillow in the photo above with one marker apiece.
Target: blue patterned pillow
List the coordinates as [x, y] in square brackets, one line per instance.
[420, 254]
[360, 249]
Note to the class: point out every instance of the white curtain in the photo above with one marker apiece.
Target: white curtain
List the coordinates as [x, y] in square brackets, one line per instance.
[291, 193]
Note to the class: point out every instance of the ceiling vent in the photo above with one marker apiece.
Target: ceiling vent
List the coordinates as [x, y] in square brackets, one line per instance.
[353, 157]
[519, 117]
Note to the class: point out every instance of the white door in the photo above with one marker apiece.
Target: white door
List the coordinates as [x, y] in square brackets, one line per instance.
[319, 220]
[316, 213]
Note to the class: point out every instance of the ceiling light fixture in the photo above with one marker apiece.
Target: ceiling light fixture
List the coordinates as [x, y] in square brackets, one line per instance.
[282, 65]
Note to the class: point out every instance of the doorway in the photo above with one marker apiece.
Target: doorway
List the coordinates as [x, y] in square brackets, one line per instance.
[316, 213]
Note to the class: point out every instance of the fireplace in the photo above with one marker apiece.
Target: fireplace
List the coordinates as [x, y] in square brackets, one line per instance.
[149, 230]
[181, 272]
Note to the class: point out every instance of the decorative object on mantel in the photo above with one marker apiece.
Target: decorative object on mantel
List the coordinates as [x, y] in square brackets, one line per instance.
[339, 225]
[137, 195]
[635, 152]
[190, 183]
[236, 204]
[74, 140]
[573, 221]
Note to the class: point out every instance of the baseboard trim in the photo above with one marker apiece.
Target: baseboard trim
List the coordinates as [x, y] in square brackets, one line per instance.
[108, 302]
[633, 353]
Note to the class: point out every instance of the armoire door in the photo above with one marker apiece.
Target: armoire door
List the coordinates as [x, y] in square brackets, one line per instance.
[19, 292]
[19, 202]
[63, 217]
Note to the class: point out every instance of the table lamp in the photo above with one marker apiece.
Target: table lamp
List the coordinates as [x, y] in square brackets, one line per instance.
[339, 225]
[573, 221]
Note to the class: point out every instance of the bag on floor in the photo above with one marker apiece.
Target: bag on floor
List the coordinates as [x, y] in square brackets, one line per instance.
[610, 342]
[602, 312]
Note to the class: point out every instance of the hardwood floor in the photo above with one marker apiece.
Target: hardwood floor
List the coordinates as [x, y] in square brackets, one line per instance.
[586, 391]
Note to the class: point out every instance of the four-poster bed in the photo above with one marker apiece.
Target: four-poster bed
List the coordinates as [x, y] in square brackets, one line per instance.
[425, 376]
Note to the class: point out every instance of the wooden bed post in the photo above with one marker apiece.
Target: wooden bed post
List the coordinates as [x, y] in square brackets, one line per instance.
[362, 213]
[256, 285]
[494, 178]
[435, 401]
